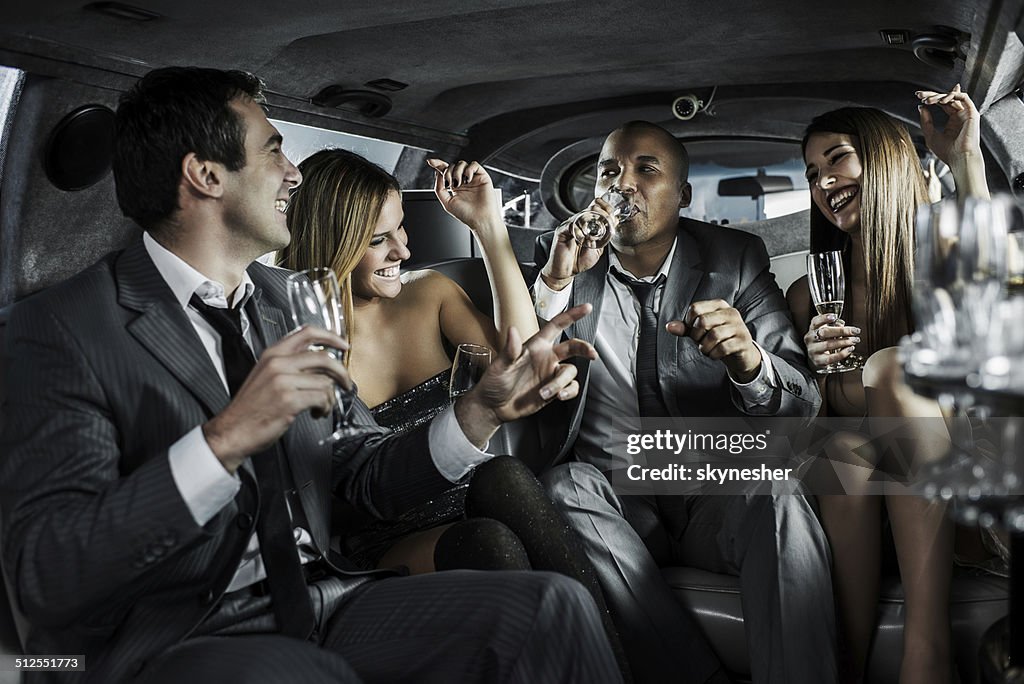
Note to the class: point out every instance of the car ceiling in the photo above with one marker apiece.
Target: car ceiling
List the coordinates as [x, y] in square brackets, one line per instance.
[513, 82]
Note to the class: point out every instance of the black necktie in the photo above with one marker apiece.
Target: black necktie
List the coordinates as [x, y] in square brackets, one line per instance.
[648, 393]
[290, 598]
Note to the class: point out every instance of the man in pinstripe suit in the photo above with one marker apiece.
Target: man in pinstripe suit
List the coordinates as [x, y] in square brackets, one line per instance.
[127, 477]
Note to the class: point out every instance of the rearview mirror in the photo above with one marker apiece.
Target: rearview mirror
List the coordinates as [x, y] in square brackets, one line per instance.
[753, 186]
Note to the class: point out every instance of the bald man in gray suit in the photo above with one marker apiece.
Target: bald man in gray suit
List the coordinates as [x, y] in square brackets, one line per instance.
[688, 322]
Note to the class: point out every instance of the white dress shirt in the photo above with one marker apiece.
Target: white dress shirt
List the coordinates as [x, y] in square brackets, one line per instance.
[611, 392]
[204, 484]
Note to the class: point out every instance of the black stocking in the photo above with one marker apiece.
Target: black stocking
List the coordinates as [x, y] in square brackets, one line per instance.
[504, 489]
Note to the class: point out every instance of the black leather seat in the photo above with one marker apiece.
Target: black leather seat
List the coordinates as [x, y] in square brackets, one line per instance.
[977, 600]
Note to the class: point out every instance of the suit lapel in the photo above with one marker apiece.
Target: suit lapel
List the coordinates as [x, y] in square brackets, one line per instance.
[164, 329]
[589, 287]
[309, 461]
[685, 274]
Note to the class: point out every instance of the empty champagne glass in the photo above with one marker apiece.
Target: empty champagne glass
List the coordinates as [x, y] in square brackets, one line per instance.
[471, 360]
[588, 225]
[315, 299]
[960, 273]
[828, 288]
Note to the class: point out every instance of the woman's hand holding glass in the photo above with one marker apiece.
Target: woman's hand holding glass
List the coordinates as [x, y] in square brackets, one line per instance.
[827, 284]
[829, 341]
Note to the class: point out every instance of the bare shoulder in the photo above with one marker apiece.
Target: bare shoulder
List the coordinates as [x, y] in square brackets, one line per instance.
[798, 296]
[429, 285]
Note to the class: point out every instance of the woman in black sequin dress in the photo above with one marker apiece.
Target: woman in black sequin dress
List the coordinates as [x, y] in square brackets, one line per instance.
[348, 214]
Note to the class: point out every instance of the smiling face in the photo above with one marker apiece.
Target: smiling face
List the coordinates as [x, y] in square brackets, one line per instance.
[376, 274]
[647, 164]
[834, 174]
[256, 196]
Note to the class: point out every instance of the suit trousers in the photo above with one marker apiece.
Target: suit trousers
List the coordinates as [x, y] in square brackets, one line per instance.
[456, 626]
[773, 543]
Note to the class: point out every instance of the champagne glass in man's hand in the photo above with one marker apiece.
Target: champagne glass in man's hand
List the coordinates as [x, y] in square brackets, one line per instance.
[593, 228]
[827, 284]
[580, 240]
[315, 300]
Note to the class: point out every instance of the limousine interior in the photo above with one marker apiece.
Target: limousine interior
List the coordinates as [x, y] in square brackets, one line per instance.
[529, 88]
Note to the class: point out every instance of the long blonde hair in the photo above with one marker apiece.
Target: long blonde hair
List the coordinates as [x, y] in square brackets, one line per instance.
[332, 216]
[891, 189]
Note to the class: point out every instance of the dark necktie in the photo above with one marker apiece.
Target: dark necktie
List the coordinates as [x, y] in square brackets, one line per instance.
[648, 393]
[290, 597]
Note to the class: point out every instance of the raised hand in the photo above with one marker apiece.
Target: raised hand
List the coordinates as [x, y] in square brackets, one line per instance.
[466, 191]
[524, 377]
[829, 340]
[961, 135]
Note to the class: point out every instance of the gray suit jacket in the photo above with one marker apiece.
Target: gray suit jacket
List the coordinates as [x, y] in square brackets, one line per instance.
[710, 262]
[105, 373]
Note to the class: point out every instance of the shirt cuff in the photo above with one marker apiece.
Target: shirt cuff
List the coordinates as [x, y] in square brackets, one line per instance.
[452, 453]
[759, 391]
[549, 303]
[202, 481]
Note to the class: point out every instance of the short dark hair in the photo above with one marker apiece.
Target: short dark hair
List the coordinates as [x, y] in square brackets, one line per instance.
[166, 115]
[676, 147]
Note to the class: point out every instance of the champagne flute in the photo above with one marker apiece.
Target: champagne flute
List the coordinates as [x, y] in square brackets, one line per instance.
[828, 289]
[315, 299]
[588, 225]
[471, 360]
[1015, 263]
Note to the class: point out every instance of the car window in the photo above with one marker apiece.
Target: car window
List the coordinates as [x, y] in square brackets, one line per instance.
[302, 141]
[737, 181]
[771, 172]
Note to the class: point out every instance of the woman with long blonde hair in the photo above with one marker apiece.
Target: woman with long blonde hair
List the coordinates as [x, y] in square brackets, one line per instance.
[402, 326]
[866, 183]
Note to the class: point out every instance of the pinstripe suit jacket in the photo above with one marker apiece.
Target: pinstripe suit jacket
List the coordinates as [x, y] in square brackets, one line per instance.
[105, 373]
[710, 262]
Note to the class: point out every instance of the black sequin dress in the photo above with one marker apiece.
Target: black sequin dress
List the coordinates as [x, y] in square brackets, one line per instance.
[369, 539]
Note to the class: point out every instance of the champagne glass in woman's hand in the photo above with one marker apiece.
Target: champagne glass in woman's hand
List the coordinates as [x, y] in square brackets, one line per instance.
[315, 300]
[471, 361]
[827, 284]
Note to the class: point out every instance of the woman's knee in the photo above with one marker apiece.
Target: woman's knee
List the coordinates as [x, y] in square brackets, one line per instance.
[882, 370]
[480, 544]
[500, 472]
